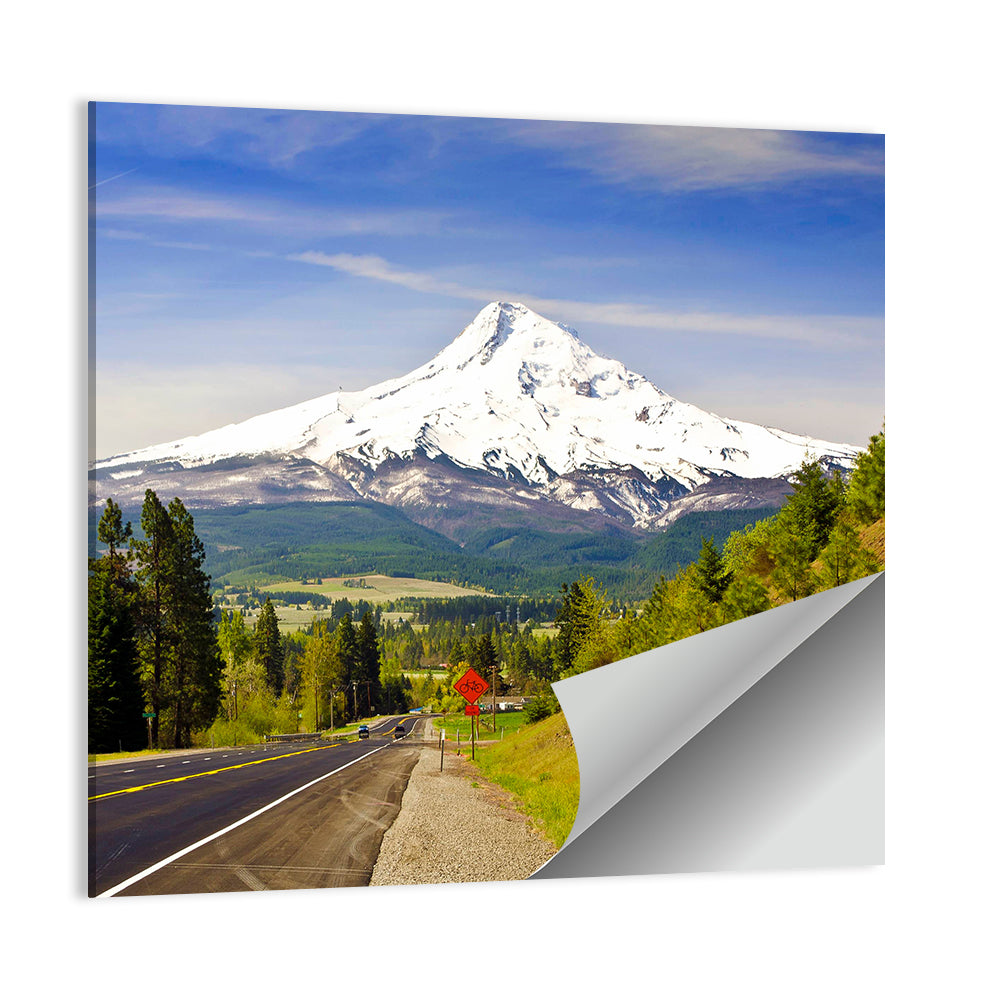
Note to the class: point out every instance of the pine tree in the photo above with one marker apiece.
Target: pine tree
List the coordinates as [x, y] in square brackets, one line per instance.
[369, 659]
[746, 596]
[346, 673]
[115, 535]
[792, 554]
[267, 643]
[581, 612]
[194, 680]
[844, 559]
[182, 669]
[152, 556]
[812, 509]
[114, 692]
[711, 576]
[866, 490]
[483, 655]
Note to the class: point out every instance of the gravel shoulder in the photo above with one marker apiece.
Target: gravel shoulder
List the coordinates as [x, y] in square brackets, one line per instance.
[449, 830]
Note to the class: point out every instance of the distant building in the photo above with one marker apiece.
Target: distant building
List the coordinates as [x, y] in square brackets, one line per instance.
[505, 703]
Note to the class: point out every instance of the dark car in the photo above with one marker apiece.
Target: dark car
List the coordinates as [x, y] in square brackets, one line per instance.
[397, 732]
[362, 732]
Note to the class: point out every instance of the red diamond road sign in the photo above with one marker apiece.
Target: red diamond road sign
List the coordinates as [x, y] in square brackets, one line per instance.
[471, 686]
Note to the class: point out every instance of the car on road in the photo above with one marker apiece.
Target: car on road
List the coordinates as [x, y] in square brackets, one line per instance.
[397, 732]
[362, 732]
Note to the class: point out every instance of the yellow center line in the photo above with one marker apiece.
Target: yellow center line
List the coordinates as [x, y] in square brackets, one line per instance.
[218, 770]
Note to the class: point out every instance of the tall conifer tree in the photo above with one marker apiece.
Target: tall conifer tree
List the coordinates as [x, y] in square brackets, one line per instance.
[267, 641]
[152, 555]
[711, 575]
[114, 691]
[369, 659]
[346, 672]
[196, 667]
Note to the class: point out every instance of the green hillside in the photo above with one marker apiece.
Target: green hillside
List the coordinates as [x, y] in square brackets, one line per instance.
[272, 543]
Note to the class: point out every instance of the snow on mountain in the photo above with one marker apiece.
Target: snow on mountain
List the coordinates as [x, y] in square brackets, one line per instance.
[524, 399]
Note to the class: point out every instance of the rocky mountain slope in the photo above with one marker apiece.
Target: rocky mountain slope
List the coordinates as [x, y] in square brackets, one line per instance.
[516, 417]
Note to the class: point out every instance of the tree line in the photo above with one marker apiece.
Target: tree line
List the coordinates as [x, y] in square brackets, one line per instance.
[152, 651]
[154, 648]
[829, 532]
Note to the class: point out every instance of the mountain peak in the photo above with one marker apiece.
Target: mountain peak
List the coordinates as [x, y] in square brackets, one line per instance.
[516, 396]
[528, 333]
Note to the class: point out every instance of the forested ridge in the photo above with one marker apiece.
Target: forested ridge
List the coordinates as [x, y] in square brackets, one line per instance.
[154, 648]
[254, 545]
[829, 532]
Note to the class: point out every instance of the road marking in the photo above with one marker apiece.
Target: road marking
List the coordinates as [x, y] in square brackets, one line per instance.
[129, 771]
[204, 774]
[114, 890]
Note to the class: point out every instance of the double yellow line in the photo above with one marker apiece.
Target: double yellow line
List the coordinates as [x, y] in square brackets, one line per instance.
[218, 770]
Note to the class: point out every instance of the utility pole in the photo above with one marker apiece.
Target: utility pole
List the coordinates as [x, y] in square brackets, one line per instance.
[495, 694]
[355, 683]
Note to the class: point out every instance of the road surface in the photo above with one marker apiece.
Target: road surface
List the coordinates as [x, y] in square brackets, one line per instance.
[272, 816]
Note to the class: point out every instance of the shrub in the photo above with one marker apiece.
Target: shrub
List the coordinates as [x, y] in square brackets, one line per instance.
[541, 708]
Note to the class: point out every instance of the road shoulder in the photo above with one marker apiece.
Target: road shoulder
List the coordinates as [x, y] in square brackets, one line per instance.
[454, 826]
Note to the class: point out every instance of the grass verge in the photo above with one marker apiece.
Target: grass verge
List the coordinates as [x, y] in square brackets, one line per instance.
[538, 766]
[509, 722]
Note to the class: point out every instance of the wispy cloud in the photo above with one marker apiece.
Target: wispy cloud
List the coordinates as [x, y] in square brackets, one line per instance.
[107, 180]
[129, 234]
[237, 135]
[825, 330]
[684, 158]
[167, 204]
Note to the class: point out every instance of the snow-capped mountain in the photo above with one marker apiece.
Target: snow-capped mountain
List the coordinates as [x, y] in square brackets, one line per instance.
[516, 411]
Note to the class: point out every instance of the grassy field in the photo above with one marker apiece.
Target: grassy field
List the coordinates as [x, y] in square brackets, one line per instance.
[377, 590]
[547, 630]
[538, 765]
[292, 618]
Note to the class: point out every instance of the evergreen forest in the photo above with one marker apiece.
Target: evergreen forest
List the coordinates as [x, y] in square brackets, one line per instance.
[167, 669]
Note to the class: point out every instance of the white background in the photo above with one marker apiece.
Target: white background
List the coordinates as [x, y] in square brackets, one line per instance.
[920, 926]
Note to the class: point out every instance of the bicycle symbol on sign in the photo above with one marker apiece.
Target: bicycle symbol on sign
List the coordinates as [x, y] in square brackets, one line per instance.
[471, 686]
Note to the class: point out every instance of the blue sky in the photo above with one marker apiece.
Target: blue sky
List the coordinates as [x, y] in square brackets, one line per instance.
[251, 259]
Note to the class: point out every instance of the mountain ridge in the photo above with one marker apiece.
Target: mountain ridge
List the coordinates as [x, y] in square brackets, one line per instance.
[516, 413]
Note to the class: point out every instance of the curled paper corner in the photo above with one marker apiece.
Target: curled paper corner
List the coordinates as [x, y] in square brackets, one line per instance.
[756, 744]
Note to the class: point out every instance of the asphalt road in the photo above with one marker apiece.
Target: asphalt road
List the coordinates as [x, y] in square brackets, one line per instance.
[273, 816]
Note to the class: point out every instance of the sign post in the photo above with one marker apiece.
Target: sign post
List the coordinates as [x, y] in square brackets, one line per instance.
[149, 716]
[471, 687]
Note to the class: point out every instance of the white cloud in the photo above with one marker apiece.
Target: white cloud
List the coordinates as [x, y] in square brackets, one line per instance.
[187, 206]
[822, 330]
[687, 158]
[239, 135]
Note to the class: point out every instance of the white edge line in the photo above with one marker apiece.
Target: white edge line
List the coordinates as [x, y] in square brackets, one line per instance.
[114, 890]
